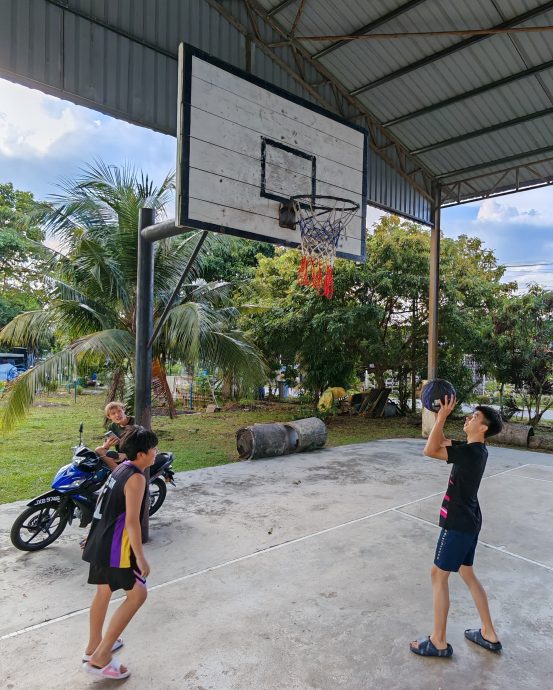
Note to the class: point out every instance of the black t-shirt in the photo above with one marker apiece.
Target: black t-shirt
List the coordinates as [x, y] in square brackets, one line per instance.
[119, 430]
[108, 542]
[460, 508]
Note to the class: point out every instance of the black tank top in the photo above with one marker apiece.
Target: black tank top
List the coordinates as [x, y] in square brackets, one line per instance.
[108, 543]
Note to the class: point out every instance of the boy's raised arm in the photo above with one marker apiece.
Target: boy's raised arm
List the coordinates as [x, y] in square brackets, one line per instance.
[437, 442]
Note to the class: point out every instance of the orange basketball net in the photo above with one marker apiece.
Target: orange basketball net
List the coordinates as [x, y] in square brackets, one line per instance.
[322, 220]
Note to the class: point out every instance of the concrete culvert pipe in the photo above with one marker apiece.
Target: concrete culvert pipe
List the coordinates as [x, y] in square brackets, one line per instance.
[272, 440]
[261, 441]
[306, 434]
[515, 434]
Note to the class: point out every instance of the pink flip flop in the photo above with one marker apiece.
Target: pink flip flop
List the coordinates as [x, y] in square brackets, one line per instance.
[111, 670]
[116, 645]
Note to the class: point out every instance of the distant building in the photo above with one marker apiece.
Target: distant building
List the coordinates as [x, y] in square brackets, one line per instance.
[477, 376]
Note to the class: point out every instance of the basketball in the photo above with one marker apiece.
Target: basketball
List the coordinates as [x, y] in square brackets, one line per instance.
[434, 391]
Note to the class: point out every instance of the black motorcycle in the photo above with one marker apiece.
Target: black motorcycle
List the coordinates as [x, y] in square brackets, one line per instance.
[73, 497]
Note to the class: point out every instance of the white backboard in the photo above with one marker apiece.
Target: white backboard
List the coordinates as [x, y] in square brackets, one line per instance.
[245, 146]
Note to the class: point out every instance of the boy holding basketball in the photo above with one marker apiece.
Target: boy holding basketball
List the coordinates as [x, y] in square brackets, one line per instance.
[114, 550]
[460, 520]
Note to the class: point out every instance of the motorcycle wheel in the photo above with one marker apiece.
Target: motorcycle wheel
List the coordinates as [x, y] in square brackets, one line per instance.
[158, 491]
[31, 531]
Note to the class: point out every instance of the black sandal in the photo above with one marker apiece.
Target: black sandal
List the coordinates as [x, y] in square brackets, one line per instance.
[475, 636]
[427, 648]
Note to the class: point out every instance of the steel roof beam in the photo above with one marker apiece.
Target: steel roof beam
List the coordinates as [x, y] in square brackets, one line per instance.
[484, 130]
[455, 196]
[281, 6]
[517, 166]
[419, 176]
[369, 27]
[519, 19]
[470, 94]
[499, 161]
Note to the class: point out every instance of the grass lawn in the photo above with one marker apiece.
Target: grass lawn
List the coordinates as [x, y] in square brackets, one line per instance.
[31, 454]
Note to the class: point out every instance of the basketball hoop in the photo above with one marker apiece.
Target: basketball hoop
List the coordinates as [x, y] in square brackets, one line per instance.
[322, 220]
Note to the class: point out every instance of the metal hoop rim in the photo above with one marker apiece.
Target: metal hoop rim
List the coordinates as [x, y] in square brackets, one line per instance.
[311, 201]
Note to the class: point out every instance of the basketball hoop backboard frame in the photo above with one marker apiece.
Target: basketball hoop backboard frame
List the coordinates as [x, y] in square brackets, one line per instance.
[246, 146]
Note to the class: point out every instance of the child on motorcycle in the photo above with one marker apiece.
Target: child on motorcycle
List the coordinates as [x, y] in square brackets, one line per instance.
[114, 550]
[120, 421]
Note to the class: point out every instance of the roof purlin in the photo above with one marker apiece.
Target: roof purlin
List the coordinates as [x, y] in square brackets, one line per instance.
[461, 45]
[498, 161]
[469, 94]
[402, 9]
[453, 194]
[278, 8]
[481, 132]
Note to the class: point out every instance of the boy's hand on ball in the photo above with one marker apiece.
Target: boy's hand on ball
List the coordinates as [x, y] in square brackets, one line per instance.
[447, 407]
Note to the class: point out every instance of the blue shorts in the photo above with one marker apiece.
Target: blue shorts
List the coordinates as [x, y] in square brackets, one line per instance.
[455, 549]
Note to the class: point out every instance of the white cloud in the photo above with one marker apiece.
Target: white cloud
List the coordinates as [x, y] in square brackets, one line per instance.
[32, 123]
[491, 211]
[533, 207]
[44, 139]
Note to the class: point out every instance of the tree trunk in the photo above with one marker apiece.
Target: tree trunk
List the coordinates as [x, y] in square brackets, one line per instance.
[227, 390]
[116, 389]
[379, 379]
[535, 420]
[161, 387]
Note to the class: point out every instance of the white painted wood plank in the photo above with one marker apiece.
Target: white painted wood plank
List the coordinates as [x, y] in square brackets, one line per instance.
[237, 194]
[232, 108]
[207, 128]
[273, 102]
[206, 212]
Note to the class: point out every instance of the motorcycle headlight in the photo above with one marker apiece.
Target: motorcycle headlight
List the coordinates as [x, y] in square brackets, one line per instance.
[74, 484]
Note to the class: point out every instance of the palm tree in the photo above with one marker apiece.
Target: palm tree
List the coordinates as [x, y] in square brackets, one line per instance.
[92, 281]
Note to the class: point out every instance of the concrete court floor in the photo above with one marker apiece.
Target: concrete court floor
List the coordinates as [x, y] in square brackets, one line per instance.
[310, 571]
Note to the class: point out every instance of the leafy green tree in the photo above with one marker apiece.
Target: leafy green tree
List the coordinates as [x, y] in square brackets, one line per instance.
[93, 279]
[293, 325]
[379, 314]
[471, 292]
[232, 259]
[521, 349]
[22, 256]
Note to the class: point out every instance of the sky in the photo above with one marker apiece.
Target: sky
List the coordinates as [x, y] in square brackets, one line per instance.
[44, 140]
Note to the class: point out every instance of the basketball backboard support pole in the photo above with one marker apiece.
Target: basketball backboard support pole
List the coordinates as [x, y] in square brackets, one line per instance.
[428, 417]
[144, 324]
[434, 288]
[246, 146]
[144, 321]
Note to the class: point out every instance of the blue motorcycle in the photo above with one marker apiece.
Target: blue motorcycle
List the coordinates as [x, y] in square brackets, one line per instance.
[73, 497]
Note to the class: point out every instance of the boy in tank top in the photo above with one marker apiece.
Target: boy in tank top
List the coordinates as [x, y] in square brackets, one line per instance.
[114, 550]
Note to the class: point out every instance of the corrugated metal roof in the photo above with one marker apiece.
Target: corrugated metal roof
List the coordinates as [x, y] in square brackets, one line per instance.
[503, 104]
[119, 57]
[394, 77]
